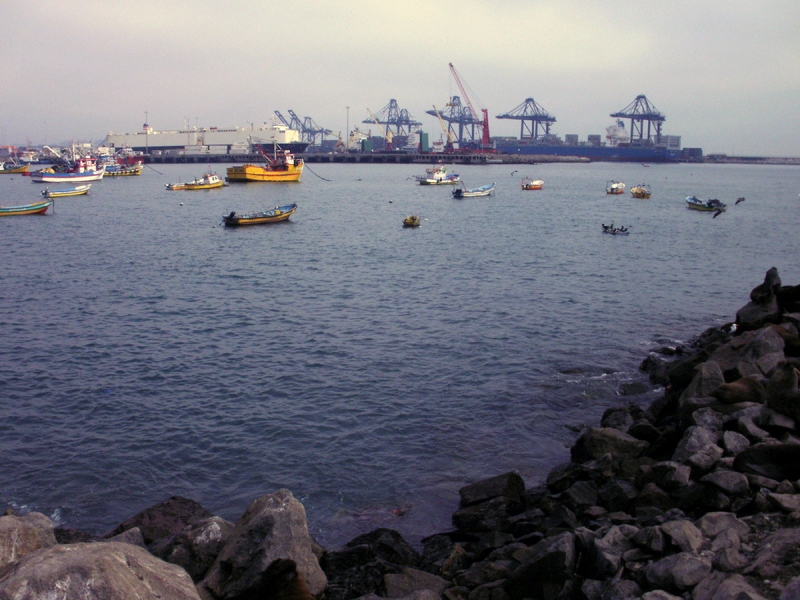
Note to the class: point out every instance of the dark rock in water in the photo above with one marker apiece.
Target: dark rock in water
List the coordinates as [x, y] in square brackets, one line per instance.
[598, 441]
[775, 461]
[164, 519]
[508, 485]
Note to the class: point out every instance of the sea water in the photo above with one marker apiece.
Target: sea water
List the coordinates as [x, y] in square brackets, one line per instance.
[147, 351]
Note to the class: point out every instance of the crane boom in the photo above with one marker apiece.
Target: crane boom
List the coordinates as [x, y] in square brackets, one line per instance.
[387, 134]
[463, 91]
[446, 129]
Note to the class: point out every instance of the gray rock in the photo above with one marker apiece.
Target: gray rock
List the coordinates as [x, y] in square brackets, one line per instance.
[684, 534]
[196, 549]
[110, 570]
[660, 595]
[714, 523]
[734, 443]
[775, 461]
[22, 535]
[786, 502]
[508, 485]
[273, 527]
[707, 418]
[678, 572]
[729, 559]
[130, 536]
[668, 475]
[774, 420]
[595, 442]
[653, 496]
[605, 555]
[704, 459]
[735, 587]
[694, 440]
[544, 566]
[399, 585]
[753, 353]
[729, 482]
[651, 538]
[165, 519]
[773, 550]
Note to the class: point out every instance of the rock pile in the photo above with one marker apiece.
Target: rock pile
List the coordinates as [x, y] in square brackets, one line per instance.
[696, 496]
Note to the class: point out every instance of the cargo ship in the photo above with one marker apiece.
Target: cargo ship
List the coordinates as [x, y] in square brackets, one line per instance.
[211, 140]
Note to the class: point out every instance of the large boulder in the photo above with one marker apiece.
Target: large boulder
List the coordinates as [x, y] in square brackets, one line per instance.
[753, 353]
[595, 442]
[95, 571]
[165, 519]
[21, 535]
[273, 527]
[197, 548]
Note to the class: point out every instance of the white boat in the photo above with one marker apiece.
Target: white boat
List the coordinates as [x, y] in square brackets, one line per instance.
[615, 187]
[83, 170]
[464, 192]
[438, 175]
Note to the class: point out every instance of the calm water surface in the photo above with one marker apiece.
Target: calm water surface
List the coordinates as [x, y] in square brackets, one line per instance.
[372, 370]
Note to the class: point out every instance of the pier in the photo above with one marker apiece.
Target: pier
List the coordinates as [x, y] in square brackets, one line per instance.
[465, 158]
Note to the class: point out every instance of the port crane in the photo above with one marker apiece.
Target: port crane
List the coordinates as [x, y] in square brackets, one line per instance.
[532, 118]
[486, 143]
[387, 134]
[308, 129]
[392, 115]
[639, 111]
[463, 116]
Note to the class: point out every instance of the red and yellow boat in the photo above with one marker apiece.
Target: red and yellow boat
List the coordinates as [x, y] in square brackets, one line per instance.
[37, 208]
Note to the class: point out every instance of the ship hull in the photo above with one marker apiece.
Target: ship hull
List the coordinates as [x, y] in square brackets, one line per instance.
[247, 173]
[596, 153]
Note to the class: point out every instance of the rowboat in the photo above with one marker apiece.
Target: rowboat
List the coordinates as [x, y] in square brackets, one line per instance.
[530, 184]
[175, 186]
[712, 204]
[464, 192]
[641, 191]
[9, 168]
[78, 190]
[281, 166]
[615, 187]
[411, 221]
[83, 170]
[207, 182]
[276, 215]
[118, 170]
[37, 208]
[438, 175]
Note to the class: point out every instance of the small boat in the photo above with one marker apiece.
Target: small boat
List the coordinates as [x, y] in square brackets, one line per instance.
[78, 190]
[82, 170]
[411, 221]
[207, 182]
[531, 184]
[9, 168]
[281, 166]
[710, 205]
[464, 192]
[641, 191]
[119, 170]
[610, 229]
[438, 175]
[276, 215]
[615, 187]
[175, 186]
[37, 208]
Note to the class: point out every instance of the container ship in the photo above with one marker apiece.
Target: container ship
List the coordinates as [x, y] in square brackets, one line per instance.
[212, 140]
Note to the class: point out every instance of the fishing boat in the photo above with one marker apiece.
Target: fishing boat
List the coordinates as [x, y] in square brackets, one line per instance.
[532, 184]
[78, 190]
[710, 205]
[84, 169]
[207, 182]
[120, 170]
[615, 187]
[438, 175]
[281, 166]
[276, 215]
[465, 192]
[175, 186]
[411, 221]
[610, 229]
[641, 191]
[9, 168]
[37, 208]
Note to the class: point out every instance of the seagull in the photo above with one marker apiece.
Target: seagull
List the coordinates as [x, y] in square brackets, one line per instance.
[512, 173]
[718, 213]
[739, 200]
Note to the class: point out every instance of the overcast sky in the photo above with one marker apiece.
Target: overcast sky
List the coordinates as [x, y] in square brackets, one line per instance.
[725, 73]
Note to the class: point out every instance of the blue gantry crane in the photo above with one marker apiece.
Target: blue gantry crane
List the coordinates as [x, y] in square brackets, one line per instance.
[534, 120]
[392, 116]
[640, 111]
[308, 128]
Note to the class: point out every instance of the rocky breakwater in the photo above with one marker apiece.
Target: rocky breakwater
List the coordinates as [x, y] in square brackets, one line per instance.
[696, 496]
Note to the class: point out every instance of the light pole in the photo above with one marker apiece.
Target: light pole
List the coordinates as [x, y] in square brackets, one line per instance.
[347, 132]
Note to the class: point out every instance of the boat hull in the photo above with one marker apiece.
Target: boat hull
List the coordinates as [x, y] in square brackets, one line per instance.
[532, 185]
[249, 173]
[38, 208]
[42, 177]
[14, 169]
[277, 215]
[201, 186]
[124, 171]
[76, 191]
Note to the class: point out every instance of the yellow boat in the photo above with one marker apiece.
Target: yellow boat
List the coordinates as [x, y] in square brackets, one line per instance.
[10, 168]
[641, 191]
[281, 166]
[206, 182]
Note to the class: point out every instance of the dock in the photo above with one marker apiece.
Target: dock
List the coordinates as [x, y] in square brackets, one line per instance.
[371, 157]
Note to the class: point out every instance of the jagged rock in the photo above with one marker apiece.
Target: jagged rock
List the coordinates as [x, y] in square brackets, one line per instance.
[130, 536]
[729, 559]
[581, 494]
[605, 553]
[196, 549]
[729, 482]
[772, 552]
[694, 440]
[480, 573]
[785, 502]
[273, 527]
[683, 534]
[708, 418]
[644, 430]
[659, 595]
[622, 589]
[490, 515]
[617, 495]
[565, 475]
[705, 459]
[67, 535]
[775, 461]
[410, 580]
[792, 591]
[678, 572]
[107, 570]
[734, 443]
[21, 535]
[165, 519]
[734, 587]
[748, 428]
[598, 441]
[508, 485]
[753, 353]
[654, 496]
[782, 391]
[669, 475]
[545, 566]
[714, 523]
[775, 421]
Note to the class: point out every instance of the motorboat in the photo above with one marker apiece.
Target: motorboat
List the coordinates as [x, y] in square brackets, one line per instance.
[276, 215]
[641, 191]
[465, 192]
[78, 190]
[532, 184]
[615, 187]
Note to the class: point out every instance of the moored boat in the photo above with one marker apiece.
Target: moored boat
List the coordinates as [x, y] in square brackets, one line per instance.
[9, 168]
[207, 182]
[709, 205]
[175, 186]
[615, 187]
[120, 170]
[411, 221]
[438, 175]
[37, 208]
[615, 230]
[276, 215]
[82, 170]
[640, 191]
[532, 184]
[465, 192]
[281, 166]
[78, 190]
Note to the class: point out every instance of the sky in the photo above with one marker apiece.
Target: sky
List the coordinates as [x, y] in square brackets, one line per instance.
[724, 73]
